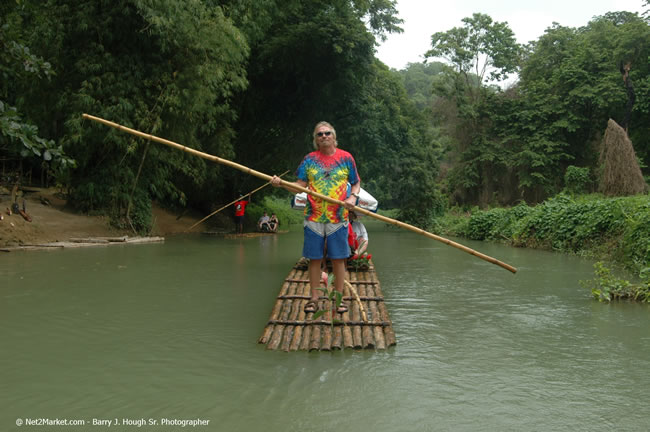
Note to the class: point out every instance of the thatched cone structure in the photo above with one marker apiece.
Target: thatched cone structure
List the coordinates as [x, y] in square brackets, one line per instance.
[621, 174]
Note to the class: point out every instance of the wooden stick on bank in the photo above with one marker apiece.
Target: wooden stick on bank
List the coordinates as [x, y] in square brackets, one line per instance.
[267, 177]
[229, 204]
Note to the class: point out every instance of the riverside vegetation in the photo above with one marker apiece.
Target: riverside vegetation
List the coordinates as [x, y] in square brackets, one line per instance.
[616, 230]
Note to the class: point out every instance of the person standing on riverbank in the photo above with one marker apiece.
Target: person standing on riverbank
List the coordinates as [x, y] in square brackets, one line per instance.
[327, 171]
[240, 212]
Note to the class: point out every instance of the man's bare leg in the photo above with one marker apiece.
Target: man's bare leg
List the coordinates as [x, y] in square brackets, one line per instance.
[314, 278]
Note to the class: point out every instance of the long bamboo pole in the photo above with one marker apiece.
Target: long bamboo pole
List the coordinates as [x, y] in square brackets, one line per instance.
[296, 187]
[229, 204]
[356, 296]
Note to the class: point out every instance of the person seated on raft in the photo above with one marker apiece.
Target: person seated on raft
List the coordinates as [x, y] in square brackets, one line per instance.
[273, 222]
[357, 235]
[263, 224]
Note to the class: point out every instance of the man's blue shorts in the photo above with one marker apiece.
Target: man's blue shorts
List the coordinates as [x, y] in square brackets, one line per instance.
[337, 240]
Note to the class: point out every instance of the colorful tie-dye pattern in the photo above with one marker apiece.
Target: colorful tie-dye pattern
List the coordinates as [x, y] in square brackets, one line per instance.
[327, 175]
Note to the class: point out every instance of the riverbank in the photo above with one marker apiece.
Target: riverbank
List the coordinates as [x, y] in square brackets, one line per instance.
[52, 220]
[613, 230]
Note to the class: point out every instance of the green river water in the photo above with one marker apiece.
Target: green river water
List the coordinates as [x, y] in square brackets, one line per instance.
[168, 332]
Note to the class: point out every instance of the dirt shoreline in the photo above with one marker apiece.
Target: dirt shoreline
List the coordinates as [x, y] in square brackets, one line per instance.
[53, 221]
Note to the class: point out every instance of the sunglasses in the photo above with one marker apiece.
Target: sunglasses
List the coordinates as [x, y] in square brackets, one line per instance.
[320, 134]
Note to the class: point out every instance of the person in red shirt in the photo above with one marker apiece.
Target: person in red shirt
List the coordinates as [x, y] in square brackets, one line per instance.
[240, 211]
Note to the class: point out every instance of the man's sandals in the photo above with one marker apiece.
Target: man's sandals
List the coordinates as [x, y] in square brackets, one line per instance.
[312, 306]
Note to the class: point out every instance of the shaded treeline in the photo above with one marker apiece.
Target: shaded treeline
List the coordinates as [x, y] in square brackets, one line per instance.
[246, 80]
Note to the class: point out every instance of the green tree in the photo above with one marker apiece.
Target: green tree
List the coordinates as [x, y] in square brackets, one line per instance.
[178, 70]
[516, 144]
[571, 85]
[418, 79]
[19, 138]
[307, 68]
[479, 52]
[165, 67]
[316, 62]
[397, 149]
[481, 48]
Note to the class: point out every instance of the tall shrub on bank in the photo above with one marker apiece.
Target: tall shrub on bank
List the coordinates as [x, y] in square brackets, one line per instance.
[577, 180]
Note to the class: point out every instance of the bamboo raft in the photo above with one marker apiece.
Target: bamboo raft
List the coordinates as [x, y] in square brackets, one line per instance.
[289, 328]
[85, 242]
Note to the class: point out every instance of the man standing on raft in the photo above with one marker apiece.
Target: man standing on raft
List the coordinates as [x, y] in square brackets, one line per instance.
[327, 171]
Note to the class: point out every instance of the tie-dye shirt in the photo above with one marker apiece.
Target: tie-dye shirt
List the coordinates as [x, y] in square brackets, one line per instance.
[327, 175]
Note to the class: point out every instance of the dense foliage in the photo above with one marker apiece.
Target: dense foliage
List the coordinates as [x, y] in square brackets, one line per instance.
[19, 138]
[615, 228]
[514, 144]
[165, 67]
[606, 287]
[270, 204]
[247, 80]
[324, 69]
[243, 80]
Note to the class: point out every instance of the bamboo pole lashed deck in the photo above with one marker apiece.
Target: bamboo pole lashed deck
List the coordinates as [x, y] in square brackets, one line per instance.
[289, 328]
